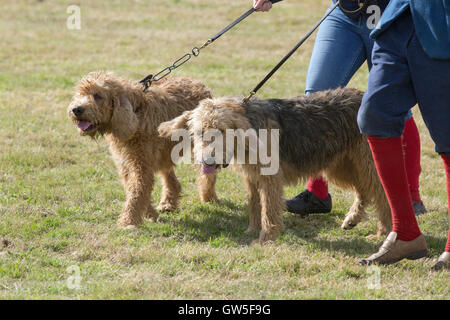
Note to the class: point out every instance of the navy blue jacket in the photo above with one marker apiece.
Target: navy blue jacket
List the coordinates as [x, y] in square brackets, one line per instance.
[431, 22]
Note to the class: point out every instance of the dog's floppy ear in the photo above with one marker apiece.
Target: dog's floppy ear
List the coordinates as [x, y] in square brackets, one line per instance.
[166, 129]
[124, 121]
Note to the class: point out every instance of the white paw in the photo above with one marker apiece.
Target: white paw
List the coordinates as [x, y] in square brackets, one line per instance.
[348, 223]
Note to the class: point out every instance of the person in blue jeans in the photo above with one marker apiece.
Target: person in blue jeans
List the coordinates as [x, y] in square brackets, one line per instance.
[342, 45]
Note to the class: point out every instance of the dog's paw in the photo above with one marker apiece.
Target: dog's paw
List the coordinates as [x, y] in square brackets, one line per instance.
[165, 206]
[152, 215]
[126, 225]
[348, 223]
[267, 237]
[210, 198]
[130, 227]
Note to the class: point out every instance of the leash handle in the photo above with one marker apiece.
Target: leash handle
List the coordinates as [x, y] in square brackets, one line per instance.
[286, 57]
[235, 22]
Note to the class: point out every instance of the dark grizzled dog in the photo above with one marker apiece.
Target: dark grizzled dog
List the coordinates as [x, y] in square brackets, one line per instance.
[318, 134]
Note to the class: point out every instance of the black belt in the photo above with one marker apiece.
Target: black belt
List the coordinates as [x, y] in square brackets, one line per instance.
[355, 14]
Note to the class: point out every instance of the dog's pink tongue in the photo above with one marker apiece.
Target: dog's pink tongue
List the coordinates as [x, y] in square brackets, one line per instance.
[84, 125]
[208, 169]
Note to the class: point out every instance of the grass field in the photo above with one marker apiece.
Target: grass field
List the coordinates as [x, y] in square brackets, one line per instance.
[60, 195]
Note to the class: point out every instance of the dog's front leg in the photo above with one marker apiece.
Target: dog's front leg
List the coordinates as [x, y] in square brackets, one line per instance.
[356, 213]
[138, 204]
[170, 192]
[206, 184]
[254, 206]
[270, 192]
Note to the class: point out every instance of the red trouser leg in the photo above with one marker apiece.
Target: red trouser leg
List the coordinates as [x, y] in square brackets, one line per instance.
[319, 187]
[411, 144]
[389, 161]
[446, 160]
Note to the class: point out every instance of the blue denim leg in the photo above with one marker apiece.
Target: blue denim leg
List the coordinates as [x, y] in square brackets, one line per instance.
[339, 51]
[341, 47]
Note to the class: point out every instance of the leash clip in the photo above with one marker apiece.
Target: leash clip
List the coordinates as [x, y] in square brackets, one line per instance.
[147, 82]
[207, 43]
[247, 99]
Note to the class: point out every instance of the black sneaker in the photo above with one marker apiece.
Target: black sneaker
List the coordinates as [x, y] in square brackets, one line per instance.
[307, 202]
[419, 208]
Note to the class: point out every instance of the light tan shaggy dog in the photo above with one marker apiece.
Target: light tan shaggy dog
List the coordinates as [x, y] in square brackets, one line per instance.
[128, 117]
[318, 134]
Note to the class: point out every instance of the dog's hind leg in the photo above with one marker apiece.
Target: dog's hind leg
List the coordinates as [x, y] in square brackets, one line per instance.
[138, 204]
[206, 184]
[170, 192]
[254, 206]
[372, 188]
[349, 173]
[357, 171]
[271, 193]
[370, 191]
[357, 211]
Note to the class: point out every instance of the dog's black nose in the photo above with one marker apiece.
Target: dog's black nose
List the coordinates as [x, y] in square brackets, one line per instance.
[78, 111]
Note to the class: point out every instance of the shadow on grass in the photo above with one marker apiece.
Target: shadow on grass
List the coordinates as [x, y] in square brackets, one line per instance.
[217, 224]
[353, 247]
[435, 245]
[223, 224]
[232, 206]
[309, 227]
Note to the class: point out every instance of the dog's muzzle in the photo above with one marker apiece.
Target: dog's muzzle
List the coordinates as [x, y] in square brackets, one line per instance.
[209, 165]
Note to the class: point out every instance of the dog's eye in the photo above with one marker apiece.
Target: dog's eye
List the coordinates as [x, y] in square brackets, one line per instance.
[97, 97]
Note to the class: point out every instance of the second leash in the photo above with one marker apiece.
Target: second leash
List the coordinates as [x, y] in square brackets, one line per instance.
[286, 57]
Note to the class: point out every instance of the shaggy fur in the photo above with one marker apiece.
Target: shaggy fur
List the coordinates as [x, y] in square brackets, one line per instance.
[106, 105]
[318, 135]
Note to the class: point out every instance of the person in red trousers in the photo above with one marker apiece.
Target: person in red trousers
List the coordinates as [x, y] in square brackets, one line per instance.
[411, 64]
[341, 47]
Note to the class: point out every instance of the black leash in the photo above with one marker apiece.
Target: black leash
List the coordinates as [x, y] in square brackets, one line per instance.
[270, 74]
[148, 80]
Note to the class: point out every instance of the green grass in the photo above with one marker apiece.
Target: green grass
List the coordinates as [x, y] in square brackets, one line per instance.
[60, 195]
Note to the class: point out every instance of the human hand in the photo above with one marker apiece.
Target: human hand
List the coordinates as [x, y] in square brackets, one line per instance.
[262, 5]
